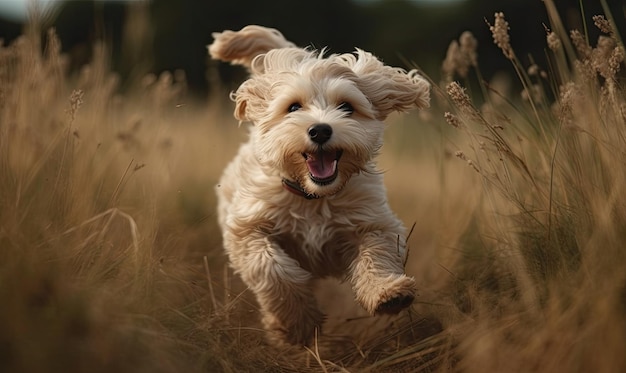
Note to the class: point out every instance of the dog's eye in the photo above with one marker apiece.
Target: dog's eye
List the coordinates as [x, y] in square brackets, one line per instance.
[344, 106]
[294, 107]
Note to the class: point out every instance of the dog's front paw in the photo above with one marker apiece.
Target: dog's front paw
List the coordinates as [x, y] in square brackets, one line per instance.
[387, 296]
[397, 295]
[395, 304]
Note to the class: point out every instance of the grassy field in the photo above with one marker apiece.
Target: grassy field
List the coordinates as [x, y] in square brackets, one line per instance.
[111, 260]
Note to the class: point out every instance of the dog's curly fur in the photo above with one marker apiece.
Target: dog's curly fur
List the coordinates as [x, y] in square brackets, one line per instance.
[318, 125]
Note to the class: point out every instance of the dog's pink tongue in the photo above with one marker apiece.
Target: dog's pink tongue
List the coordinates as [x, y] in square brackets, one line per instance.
[322, 164]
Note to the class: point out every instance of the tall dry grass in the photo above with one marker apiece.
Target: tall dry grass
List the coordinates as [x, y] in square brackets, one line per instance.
[110, 258]
[547, 290]
[106, 211]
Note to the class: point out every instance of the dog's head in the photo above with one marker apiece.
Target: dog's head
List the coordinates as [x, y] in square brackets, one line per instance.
[319, 119]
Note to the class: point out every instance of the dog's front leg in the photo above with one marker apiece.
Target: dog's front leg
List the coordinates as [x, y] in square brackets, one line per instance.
[377, 274]
[282, 288]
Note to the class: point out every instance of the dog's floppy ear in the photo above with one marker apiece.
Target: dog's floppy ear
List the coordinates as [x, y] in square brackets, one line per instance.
[253, 96]
[388, 88]
[241, 102]
[241, 47]
[250, 100]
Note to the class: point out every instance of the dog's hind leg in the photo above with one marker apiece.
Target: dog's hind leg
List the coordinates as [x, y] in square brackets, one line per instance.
[282, 288]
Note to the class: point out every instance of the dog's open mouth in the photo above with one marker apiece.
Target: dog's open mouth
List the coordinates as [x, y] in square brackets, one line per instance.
[322, 165]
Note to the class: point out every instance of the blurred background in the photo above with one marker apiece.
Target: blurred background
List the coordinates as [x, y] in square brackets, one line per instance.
[172, 35]
[110, 254]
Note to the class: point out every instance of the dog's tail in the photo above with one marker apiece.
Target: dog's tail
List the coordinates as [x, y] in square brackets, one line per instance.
[240, 47]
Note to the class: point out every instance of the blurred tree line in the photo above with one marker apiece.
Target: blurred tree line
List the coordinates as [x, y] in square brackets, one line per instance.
[159, 35]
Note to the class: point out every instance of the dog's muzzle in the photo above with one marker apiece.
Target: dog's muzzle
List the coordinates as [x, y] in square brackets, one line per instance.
[322, 165]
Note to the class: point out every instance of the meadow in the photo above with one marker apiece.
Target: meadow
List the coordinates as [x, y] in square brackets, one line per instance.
[111, 259]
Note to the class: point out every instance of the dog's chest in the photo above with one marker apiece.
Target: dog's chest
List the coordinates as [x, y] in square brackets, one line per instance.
[322, 240]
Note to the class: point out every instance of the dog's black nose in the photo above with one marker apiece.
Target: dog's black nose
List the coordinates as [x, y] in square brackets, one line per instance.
[320, 133]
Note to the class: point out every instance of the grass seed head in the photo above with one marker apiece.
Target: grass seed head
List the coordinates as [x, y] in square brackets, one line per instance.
[500, 33]
[581, 45]
[469, 45]
[603, 24]
[554, 42]
[449, 65]
[616, 59]
[76, 101]
[460, 56]
[458, 96]
[452, 119]
[602, 55]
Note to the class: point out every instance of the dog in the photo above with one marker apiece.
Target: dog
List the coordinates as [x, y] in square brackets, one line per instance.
[303, 198]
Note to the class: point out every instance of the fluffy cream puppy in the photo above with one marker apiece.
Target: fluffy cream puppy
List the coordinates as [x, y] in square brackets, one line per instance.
[303, 198]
